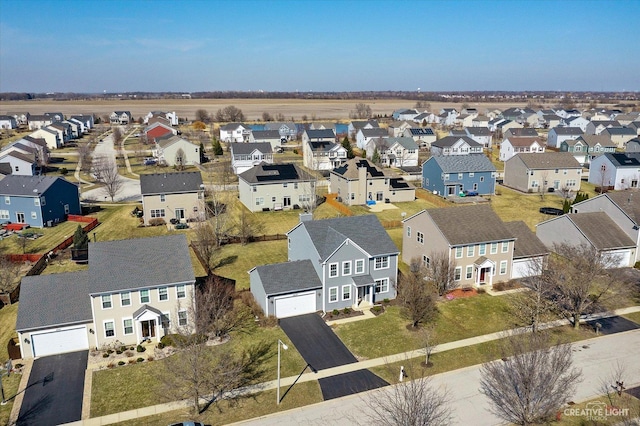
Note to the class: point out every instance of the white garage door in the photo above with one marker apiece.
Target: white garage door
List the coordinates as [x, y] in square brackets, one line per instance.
[623, 257]
[60, 341]
[522, 268]
[298, 304]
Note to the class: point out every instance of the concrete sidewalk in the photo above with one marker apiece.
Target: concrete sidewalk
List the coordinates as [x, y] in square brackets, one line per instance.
[287, 381]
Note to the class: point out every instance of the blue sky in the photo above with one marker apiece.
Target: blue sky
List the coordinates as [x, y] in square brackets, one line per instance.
[188, 46]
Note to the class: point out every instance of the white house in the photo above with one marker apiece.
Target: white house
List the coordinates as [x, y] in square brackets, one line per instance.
[365, 135]
[615, 170]
[246, 155]
[394, 152]
[176, 151]
[455, 145]
[559, 134]
[235, 132]
[513, 145]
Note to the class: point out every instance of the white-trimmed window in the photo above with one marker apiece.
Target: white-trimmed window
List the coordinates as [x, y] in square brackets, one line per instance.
[382, 285]
[409, 231]
[471, 251]
[127, 326]
[163, 198]
[36, 201]
[420, 237]
[482, 250]
[458, 252]
[7, 200]
[333, 270]
[457, 273]
[34, 215]
[125, 298]
[381, 262]
[333, 294]
[259, 201]
[494, 248]
[360, 266]
[505, 246]
[4, 214]
[106, 301]
[346, 267]
[182, 318]
[109, 329]
[144, 296]
[469, 273]
[165, 320]
[426, 261]
[503, 267]
[157, 213]
[181, 291]
[163, 294]
[346, 292]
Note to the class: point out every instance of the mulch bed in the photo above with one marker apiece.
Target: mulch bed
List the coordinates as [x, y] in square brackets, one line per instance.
[341, 315]
[460, 293]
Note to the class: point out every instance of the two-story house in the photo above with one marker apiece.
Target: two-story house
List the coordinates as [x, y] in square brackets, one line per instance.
[513, 145]
[359, 182]
[615, 170]
[482, 135]
[529, 172]
[423, 136]
[333, 264]
[449, 176]
[276, 187]
[39, 121]
[271, 137]
[158, 130]
[235, 132]
[173, 150]
[323, 154]
[587, 147]
[559, 134]
[246, 155]
[394, 152]
[619, 135]
[365, 135]
[134, 290]
[356, 125]
[288, 131]
[455, 145]
[473, 238]
[23, 164]
[171, 117]
[50, 136]
[169, 196]
[120, 117]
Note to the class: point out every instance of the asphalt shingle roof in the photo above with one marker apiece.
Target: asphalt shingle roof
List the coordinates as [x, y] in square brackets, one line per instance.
[469, 225]
[349, 169]
[27, 185]
[527, 243]
[548, 160]
[449, 141]
[601, 230]
[464, 163]
[168, 183]
[248, 148]
[265, 173]
[628, 201]
[288, 277]
[376, 132]
[321, 134]
[570, 131]
[522, 141]
[265, 134]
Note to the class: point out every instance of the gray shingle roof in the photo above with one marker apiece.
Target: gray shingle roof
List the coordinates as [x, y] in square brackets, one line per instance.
[28, 186]
[620, 131]
[233, 126]
[376, 132]
[521, 132]
[54, 299]
[627, 200]
[449, 141]
[320, 134]
[570, 131]
[349, 169]
[464, 163]
[170, 183]
[548, 160]
[527, 243]
[601, 230]
[248, 148]
[469, 225]
[478, 131]
[288, 277]
[139, 263]
[366, 231]
[266, 134]
[405, 141]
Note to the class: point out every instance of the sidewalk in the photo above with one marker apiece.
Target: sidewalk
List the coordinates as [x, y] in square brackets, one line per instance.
[287, 381]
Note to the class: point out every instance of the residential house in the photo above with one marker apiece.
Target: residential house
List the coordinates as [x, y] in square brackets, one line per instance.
[39, 146]
[550, 121]
[276, 187]
[482, 135]
[8, 122]
[513, 145]
[235, 132]
[585, 125]
[37, 201]
[422, 118]
[356, 125]
[323, 155]
[480, 121]
[81, 126]
[158, 130]
[523, 132]
[472, 237]
[64, 129]
[464, 120]
[455, 145]
[288, 130]
[601, 125]
[619, 135]
[615, 170]
[449, 176]
[51, 137]
[22, 118]
[172, 117]
[272, 137]
[87, 119]
[594, 229]
[529, 253]
[39, 121]
[423, 136]
[246, 155]
[173, 150]
[5, 170]
[318, 135]
[365, 135]
[505, 125]
[75, 128]
[169, 196]
[323, 125]
[635, 125]
[135, 290]
[626, 119]
[538, 172]
[633, 145]
[494, 123]
[394, 152]
[56, 116]
[568, 113]
[512, 114]
[586, 147]
[23, 164]
[559, 134]
[469, 111]
[448, 116]
[398, 128]
[120, 117]
[336, 263]
[404, 114]
[529, 119]
[359, 182]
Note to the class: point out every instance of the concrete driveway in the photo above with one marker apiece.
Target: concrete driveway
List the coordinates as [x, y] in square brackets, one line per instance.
[321, 348]
[54, 391]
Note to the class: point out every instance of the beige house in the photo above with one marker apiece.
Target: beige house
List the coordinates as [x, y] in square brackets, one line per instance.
[175, 151]
[168, 196]
[539, 172]
[472, 237]
[358, 181]
[276, 187]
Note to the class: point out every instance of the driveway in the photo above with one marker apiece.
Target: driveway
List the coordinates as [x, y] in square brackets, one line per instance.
[321, 348]
[613, 325]
[54, 391]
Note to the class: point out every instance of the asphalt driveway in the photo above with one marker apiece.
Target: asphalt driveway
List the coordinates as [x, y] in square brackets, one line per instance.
[321, 348]
[54, 391]
[613, 325]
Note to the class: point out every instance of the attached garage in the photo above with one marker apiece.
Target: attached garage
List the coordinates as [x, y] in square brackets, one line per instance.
[59, 341]
[622, 257]
[297, 304]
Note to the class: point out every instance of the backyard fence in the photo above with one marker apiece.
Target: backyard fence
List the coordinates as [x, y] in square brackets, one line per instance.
[333, 202]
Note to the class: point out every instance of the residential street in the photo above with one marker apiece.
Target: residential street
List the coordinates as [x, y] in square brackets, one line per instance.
[595, 357]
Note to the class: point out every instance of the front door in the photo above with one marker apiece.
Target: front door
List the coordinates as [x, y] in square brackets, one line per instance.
[451, 190]
[19, 217]
[148, 329]
[483, 275]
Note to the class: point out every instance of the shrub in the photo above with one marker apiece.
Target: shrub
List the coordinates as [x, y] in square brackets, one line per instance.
[18, 365]
[481, 290]
[121, 363]
[150, 358]
[376, 310]
[109, 351]
[168, 340]
[128, 353]
[248, 299]
[105, 355]
[499, 286]
[346, 311]
[140, 348]
[160, 345]
[64, 171]
[270, 321]
[118, 351]
[386, 300]
[335, 312]
[111, 365]
[295, 151]
[157, 221]
[140, 359]
[637, 265]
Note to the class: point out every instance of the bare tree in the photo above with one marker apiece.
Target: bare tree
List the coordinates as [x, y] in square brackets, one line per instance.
[203, 116]
[428, 338]
[217, 312]
[535, 305]
[544, 184]
[206, 243]
[229, 113]
[9, 273]
[280, 117]
[605, 178]
[248, 225]
[266, 116]
[117, 136]
[362, 111]
[532, 382]
[106, 172]
[84, 154]
[417, 296]
[441, 272]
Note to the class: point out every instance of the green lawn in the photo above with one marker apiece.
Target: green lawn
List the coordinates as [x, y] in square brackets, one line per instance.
[116, 223]
[410, 208]
[8, 315]
[51, 237]
[512, 205]
[635, 317]
[10, 384]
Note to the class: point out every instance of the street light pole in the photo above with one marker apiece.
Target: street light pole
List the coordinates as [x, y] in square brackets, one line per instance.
[285, 347]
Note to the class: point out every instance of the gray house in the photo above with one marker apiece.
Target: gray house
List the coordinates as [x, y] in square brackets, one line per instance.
[276, 187]
[333, 264]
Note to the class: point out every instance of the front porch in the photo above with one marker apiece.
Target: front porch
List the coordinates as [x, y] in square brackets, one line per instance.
[484, 270]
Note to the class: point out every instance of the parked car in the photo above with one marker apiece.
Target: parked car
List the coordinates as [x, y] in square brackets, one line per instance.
[471, 193]
[150, 161]
[551, 210]
[187, 424]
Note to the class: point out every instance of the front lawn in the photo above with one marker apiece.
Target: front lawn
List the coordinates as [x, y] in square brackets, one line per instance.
[10, 384]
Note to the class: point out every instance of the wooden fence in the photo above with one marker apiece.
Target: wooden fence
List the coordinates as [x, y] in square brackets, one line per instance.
[333, 202]
[433, 199]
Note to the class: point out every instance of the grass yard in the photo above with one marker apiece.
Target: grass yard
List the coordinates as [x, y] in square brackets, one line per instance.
[51, 237]
[134, 386]
[513, 205]
[10, 385]
[570, 417]
[116, 223]
[8, 315]
[410, 208]
[59, 266]
[635, 317]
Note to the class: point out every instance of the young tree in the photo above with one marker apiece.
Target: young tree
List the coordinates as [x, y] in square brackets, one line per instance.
[532, 381]
[106, 172]
[544, 184]
[347, 145]
[604, 178]
[266, 116]
[80, 238]
[534, 306]
[248, 225]
[416, 296]
[441, 272]
[84, 154]
[117, 136]
[217, 148]
[217, 313]
[179, 160]
[9, 273]
[375, 157]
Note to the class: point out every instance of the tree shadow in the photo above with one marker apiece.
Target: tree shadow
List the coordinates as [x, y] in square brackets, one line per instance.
[226, 261]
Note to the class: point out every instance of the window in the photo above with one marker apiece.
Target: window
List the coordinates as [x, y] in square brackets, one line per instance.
[162, 198]
[295, 185]
[482, 250]
[284, 185]
[409, 231]
[36, 201]
[273, 199]
[381, 262]
[534, 184]
[503, 267]
[505, 246]
[457, 273]
[109, 330]
[446, 176]
[254, 188]
[106, 301]
[34, 215]
[471, 174]
[382, 285]
[144, 296]
[333, 294]
[333, 270]
[182, 318]
[426, 261]
[420, 237]
[157, 213]
[4, 214]
[459, 176]
[481, 178]
[346, 268]
[346, 292]
[125, 298]
[471, 251]
[259, 201]
[7, 200]
[163, 294]
[458, 252]
[181, 292]
[360, 266]
[494, 248]
[469, 274]
[127, 325]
